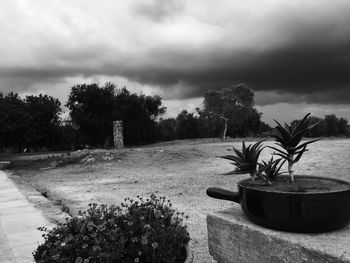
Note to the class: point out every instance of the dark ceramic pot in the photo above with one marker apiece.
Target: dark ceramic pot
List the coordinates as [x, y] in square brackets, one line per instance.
[292, 211]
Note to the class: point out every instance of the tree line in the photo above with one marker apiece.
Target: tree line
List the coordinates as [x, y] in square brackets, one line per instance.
[328, 126]
[35, 122]
[229, 112]
[30, 122]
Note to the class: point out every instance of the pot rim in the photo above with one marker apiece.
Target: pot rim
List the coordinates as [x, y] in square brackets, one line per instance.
[240, 185]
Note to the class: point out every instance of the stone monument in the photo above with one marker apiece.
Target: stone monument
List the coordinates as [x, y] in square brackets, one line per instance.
[118, 134]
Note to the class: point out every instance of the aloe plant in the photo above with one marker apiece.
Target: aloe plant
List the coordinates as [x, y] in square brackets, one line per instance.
[268, 171]
[289, 138]
[246, 160]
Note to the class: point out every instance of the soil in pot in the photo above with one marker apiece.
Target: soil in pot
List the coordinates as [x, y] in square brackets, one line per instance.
[302, 185]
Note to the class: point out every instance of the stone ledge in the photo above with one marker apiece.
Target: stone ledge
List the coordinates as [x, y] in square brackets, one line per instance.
[232, 238]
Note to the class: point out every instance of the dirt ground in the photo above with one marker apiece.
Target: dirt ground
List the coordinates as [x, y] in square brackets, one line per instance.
[181, 171]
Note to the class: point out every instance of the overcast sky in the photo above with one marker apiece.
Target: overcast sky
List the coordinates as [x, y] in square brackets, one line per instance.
[294, 54]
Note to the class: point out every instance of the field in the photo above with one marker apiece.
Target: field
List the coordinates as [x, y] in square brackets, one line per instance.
[181, 171]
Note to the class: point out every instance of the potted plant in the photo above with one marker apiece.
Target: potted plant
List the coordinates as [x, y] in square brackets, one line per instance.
[145, 230]
[295, 203]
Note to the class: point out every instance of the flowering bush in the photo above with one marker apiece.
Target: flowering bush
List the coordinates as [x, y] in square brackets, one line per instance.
[141, 230]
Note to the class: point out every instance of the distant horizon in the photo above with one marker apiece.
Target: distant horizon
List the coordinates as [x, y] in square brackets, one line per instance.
[191, 104]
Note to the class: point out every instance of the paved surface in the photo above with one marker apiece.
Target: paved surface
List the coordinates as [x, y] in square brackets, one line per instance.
[19, 221]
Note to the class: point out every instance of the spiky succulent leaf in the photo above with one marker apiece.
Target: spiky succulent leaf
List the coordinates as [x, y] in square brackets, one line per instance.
[278, 150]
[233, 158]
[245, 160]
[300, 124]
[284, 133]
[289, 139]
[270, 170]
[301, 152]
[306, 143]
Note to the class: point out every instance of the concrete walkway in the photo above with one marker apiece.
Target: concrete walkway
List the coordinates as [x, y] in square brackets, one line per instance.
[19, 221]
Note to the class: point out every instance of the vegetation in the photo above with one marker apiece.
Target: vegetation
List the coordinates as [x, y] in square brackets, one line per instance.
[93, 110]
[288, 138]
[328, 126]
[224, 106]
[228, 112]
[143, 230]
[245, 161]
[268, 171]
[35, 122]
[31, 122]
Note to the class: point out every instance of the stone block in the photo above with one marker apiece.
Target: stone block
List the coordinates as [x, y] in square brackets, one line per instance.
[118, 134]
[232, 238]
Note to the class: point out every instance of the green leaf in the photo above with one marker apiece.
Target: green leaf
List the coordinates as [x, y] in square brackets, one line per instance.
[238, 153]
[297, 152]
[299, 155]
[231, 158]
[279, 139]
[284, 156]
[295, 140]
[276, 149]
[233, 172]
[243, 147]
[279, 168]
[306, 143]
[279, 124]
[284, 133]
[302, 122]
[312, 125]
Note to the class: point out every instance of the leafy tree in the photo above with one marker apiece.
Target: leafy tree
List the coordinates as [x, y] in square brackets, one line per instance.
[251, 124]
[331, 125]
[167, 129]
[139, 113]
[32, 122]
[44, 120]
[93, 110]
[209, 125]
[67, 136]
[234, 108]
[264, 128]
[342, 126]
[319, 130]
[14, 122]
[186, 126]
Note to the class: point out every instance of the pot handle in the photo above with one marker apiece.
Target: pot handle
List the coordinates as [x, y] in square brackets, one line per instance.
[223, 194]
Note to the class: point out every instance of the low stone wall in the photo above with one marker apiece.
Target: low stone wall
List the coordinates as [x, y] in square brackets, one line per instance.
[232, 238]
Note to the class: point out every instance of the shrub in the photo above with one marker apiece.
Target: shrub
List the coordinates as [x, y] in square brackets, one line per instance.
[141, 230]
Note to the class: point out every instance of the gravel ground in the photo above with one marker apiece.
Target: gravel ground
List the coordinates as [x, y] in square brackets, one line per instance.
[181, 171]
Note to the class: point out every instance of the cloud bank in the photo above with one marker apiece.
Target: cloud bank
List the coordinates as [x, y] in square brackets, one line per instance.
[293, 52]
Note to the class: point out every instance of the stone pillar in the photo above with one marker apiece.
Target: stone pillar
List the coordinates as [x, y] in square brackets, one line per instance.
[118, 134]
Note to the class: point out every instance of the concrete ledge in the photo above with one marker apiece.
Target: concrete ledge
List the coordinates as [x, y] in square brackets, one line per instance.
[5, 165]
[232, 238]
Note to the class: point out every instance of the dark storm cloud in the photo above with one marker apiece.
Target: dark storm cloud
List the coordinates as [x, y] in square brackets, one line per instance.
[293, 51]
[317, 73]
[311, 73]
